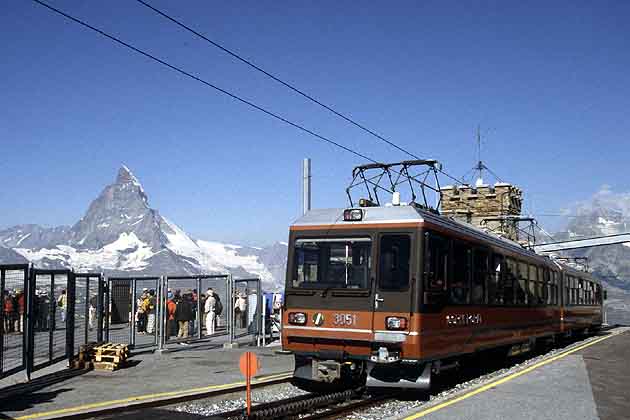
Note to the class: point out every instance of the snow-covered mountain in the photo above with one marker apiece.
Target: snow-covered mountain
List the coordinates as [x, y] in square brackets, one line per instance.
[606, 213]
[121, 234]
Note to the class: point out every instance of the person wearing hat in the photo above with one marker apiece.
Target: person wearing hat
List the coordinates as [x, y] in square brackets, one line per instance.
[171, 306]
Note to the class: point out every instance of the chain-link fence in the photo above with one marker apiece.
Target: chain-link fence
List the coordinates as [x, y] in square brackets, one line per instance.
[132, 310]
[87, 322]
[47, 315]
[194, 307]
[247, 304]
[48, 324]
[13, 285]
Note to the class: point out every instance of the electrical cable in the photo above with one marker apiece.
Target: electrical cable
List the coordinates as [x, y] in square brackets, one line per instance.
[275, 78]
[192, 76]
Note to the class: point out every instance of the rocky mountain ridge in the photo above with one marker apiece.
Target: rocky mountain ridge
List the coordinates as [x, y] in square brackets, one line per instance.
[121, 234]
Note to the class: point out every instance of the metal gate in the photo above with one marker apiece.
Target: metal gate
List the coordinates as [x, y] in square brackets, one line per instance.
[247, 304]
[193, 291]
[88, 309]
[13, 343]
[132, 310]
[50, 324]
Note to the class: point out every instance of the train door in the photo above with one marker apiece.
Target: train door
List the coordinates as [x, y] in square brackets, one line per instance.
[392, 288]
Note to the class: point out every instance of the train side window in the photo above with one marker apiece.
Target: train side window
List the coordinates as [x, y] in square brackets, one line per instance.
[553, 288]
[495, 280]
[543, 275]
[522, 290]
[510, 281]
[436, 262]
[394, 262]
[459, 288]
[481, 269]
[581, 292]
[533, 291]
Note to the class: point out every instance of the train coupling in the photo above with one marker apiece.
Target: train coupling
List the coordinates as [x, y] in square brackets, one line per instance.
[385, 356]
[326, 370]
[381, 375]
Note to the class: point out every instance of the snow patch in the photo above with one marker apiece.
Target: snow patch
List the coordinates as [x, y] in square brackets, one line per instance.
[22, 238]
[125, 253]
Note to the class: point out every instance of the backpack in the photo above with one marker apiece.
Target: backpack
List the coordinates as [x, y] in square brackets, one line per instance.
[218, 306]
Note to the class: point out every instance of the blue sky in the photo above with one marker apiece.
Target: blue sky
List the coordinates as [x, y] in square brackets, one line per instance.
[549, 83]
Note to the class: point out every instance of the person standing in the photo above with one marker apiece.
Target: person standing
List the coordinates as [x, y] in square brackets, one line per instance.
[21, 302]
[8, 306]
[183, 315]
[209, 310]
[241, 310]
[92, 312]
[141, 315]
[62, 303]
[150, 312]
[171, 324]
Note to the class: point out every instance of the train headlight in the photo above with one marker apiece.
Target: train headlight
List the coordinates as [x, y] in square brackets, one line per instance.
[352, 215]
[297, 318]
[396, 323]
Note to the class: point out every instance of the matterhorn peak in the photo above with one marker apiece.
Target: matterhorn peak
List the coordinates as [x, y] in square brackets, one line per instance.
[126, 176]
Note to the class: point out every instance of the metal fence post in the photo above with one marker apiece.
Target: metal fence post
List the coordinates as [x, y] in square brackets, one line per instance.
[71, 301]
[107, 310]
[52, 313]
[264, 318]
[100, 307]
[29, 320]
[159, 309]
[199, 309]
[230, 309]
[132, 315]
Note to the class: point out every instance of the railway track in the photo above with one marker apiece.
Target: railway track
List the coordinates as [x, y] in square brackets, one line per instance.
[339, 404]
[318, 406]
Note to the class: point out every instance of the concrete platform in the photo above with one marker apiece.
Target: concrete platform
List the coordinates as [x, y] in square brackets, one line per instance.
[588, 382]
[182, 371]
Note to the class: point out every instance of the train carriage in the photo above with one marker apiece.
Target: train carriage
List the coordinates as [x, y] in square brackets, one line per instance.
[389, 296]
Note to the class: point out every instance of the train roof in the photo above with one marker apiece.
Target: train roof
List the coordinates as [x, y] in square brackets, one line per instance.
[383, 215]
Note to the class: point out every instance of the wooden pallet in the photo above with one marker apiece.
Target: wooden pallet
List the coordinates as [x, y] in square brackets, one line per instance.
[110, 352]
[108, 366]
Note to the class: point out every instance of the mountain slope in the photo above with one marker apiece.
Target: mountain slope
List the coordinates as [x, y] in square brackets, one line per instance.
[121, 234]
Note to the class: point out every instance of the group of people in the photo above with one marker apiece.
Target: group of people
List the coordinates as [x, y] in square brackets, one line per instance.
[145, 313]
[182, 312]
[13, 304]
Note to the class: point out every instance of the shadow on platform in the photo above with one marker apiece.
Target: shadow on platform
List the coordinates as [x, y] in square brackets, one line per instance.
[26, 395]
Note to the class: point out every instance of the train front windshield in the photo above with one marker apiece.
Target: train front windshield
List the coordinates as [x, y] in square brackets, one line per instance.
[332, 263]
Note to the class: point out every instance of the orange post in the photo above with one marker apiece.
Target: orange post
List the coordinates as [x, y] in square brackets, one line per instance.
[249, 366]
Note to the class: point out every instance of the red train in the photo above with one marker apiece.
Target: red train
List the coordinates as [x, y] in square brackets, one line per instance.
[389, 296]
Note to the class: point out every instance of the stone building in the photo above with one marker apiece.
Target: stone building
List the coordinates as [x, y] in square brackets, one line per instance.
[494, 208]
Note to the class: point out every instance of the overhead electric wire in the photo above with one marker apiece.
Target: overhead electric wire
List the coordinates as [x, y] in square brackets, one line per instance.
[208, 84]
[286, 84]
[275, 78]
[192, 76]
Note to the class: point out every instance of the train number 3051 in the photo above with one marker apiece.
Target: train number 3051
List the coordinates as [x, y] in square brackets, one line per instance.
[344, 319]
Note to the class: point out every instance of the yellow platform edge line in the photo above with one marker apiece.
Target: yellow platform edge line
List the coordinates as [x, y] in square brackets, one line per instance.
[505, 379]
[183, 393]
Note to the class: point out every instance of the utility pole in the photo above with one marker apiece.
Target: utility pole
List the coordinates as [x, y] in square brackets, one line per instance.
[306, 185]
